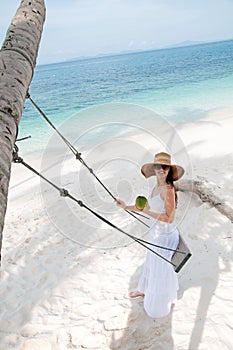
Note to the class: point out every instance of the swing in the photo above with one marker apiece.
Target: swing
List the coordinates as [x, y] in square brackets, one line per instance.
[181, 254]
[177, 259]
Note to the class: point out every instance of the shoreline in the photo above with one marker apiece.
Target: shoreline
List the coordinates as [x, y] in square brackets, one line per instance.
[102, 114]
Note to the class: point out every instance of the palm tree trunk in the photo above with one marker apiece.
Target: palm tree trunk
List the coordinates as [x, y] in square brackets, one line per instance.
[17, 62]
[208, 192]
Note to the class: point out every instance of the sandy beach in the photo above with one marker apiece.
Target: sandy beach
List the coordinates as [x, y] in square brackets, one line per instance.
[65, 275]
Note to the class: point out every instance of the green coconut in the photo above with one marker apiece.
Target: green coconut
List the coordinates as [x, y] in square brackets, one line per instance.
[141, 202]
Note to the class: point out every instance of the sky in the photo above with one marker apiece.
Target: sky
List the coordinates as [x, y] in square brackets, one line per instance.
[80, 28]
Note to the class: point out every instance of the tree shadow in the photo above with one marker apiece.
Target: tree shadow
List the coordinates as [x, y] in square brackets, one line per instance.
[207, 255]
[209, 252]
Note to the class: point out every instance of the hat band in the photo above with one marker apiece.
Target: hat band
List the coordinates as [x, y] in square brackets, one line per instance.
[163, 161]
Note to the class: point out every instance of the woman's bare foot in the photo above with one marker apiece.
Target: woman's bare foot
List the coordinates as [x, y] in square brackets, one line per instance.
[136, 294]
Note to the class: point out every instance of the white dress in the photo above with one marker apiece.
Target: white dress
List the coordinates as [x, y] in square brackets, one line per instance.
[159, 281]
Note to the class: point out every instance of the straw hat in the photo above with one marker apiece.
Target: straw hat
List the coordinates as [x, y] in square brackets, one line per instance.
[164, 159]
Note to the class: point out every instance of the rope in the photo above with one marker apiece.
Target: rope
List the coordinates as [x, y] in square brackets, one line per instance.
[64, 193]
[24, 138]
[78, 157]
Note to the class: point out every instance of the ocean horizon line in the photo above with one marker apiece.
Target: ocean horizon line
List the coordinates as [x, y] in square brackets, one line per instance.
[184, 44]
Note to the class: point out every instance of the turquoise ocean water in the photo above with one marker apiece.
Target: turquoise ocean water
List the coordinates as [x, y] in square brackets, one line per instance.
[180, 84]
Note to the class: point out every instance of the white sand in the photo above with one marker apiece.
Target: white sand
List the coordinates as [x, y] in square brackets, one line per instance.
[60, 290]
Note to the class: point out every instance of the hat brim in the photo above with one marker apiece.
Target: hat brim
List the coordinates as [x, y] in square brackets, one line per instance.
[148, 170]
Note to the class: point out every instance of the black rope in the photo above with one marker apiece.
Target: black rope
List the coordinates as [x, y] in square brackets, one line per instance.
[78, 156]
[64, 193]
[24, 138]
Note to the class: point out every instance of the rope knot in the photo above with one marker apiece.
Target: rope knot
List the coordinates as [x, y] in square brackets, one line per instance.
[63, 192]
[78, 156]
[16, 158]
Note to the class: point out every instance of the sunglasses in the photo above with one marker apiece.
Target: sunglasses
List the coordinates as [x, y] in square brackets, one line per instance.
[161, 166]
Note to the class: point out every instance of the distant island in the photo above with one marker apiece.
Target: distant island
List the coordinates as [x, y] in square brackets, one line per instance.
[125, 52]
[185, 43]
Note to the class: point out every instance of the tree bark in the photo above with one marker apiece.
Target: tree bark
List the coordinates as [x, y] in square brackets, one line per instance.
[208, 193]
[17, 62]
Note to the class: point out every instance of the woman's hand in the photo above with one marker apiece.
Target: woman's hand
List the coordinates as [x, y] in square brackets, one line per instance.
[146, 209]
[120, 203]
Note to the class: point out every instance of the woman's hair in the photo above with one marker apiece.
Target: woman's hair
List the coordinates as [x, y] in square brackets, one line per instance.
[169, 180]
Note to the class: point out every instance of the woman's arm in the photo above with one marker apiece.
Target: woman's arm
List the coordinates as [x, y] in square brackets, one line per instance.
[170, 205]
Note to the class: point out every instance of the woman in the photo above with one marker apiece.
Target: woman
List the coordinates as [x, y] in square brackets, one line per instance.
[158, 283]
